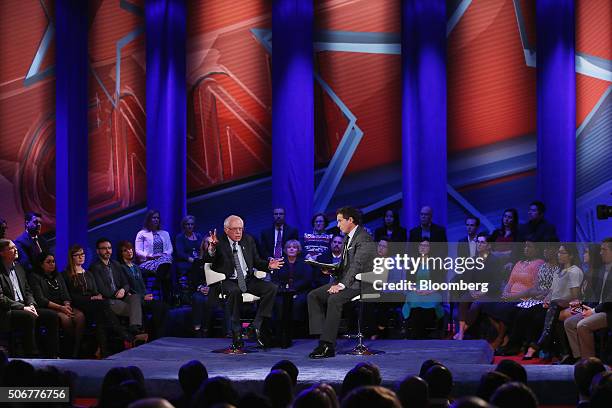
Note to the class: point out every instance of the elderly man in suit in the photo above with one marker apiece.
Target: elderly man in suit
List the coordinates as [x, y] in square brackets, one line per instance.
[325, 303]
[427, 230]
[17, 304]
[30, 244]
[235, 255]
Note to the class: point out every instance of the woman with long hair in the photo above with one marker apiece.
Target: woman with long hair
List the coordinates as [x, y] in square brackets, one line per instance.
[507, 233]
[85, 296]
[154, 251]
[391, 230]
[50, 292]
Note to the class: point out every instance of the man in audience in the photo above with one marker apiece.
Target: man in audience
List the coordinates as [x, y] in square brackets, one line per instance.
[581, 326]
[30, 244]
[191, 375]
[440, 381]
[513, 395]
[114, 285]
[427, 230]
[325, 303]
[235, 255]
[17, 306]
[584, 371]
[273, 239]
[333, 256]
[537, 228]
[467, 245]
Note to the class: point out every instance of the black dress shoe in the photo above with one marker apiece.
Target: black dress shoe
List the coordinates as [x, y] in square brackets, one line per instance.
[259, 338]
[567, 360]
[323, 350]
[237, 342]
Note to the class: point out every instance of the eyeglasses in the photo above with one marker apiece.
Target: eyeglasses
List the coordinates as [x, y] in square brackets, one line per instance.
[236, 229]
[105, 247]
[79, 254]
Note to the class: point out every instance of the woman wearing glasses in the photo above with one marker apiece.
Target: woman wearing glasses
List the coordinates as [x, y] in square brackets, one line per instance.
[85, 296]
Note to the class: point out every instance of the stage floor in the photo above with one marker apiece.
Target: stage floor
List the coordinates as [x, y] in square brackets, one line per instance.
[161, 359]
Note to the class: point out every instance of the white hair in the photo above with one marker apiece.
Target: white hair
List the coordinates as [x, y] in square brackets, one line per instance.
[229, 219]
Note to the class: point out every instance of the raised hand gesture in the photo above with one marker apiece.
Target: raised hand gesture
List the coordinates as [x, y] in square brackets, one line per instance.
[212, 239]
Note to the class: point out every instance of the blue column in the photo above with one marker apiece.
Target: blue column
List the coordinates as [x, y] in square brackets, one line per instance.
[424, 109]
[556, 90]
[166, 110]
[70, 126]
[293, 110]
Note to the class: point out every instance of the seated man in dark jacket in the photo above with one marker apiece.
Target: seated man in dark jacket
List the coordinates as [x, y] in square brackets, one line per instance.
[17, 304]
[113, 284]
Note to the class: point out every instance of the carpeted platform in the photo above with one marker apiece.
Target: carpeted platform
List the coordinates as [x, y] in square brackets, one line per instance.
[160, 361]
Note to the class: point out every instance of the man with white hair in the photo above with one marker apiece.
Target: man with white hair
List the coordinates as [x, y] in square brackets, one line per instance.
[235, 255]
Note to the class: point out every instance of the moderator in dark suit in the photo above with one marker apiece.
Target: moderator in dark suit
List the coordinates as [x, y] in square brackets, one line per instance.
[324, 308]
[130, 305]
[13, 315]
[268, 237]
[223, 261]
[28, 250]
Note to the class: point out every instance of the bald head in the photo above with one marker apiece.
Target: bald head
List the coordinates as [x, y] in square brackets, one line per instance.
[426, 216]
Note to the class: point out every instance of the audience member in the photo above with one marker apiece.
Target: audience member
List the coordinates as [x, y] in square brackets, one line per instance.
[154, 251]
[470, 402]
[504, 236]
[317, 396]
[601, 390]
[536, 227]
[514, 394]
[191, 375]
[513, 370]
[372, 396]
[466, 247]
[51, 293]
[581, 326]
[358, 376]
[278, 389]
[489, 383]
[440, 382]
[426, 365]
[273, 239]
[157, 309]
[3, 228]
[18, 309]
[86, 297]
[413, 392]
[584, 371]
[333, 256]
[591, 266]
[428, 231]
[151, 403]
[215, 390]
[316, 243]
[289, 368]
[188, 243]
[110, 386]
[30, 244]
[18, 373]
[113, 284]
[252, 399]
[391, 231]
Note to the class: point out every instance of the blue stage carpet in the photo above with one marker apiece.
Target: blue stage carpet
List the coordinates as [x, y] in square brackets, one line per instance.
[160, 361]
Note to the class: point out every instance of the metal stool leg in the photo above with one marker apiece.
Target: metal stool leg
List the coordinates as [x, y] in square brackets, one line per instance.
[361, 349]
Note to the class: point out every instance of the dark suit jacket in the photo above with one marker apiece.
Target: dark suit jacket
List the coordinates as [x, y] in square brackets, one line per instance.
[7, 295]
[398, 234]
[24, 245]
[223, 259]
[81, 296]
[103, 282]
[463, 248]
[266, 248]
[541, 231]
[40, 289]
[436, 234]
[606, 305]
[359, 258]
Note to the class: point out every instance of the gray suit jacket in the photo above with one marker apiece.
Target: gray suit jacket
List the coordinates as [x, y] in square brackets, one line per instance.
[359, 258]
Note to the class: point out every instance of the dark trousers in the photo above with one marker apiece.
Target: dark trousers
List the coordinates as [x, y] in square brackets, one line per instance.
[266, 291]
[27, 323]
[325, 311]
[100, 313]
[527, 325]
[159, 314]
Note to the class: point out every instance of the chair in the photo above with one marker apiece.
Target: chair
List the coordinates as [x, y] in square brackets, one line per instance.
[361, 349]
[213, 277]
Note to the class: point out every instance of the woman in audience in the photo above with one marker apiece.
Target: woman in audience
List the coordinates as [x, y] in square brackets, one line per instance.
[187, 250]
[591, 264]
[317, 242]
[520, 284]
[390, 231]
[158, 310]
[564, 293]
[423, 308]
[506, 234]
[85, 296]
[154, 251]
[295, 277]
[530, 312]
[50, 292]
